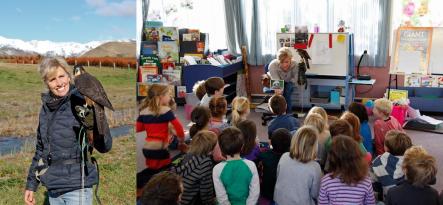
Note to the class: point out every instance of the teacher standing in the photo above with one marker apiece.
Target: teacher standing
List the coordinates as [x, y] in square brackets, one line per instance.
[284, 68]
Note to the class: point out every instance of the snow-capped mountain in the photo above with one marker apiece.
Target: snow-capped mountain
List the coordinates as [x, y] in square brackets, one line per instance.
[13, 46]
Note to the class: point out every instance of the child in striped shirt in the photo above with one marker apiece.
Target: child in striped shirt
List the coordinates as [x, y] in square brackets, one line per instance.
[236, 179]
[348, 181]
[196, 170]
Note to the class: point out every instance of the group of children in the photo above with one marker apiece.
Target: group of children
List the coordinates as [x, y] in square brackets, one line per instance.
[314, 162]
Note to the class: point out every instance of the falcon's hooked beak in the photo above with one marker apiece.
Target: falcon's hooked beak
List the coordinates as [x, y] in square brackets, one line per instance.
[78, 70]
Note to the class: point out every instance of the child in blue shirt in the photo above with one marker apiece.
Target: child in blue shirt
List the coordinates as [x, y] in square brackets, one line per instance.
[277, 104]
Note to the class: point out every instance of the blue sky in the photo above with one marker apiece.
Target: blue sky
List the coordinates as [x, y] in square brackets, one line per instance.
[68, 20]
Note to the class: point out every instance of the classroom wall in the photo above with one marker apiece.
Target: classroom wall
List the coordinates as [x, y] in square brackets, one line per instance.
[381, 74]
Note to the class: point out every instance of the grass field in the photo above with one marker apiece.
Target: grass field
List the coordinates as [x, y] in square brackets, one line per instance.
[117, 175]
[21, 86]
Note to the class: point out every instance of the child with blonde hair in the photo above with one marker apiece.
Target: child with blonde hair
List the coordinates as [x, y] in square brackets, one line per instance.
[240, 110]
[420, 169]
[385, 122]
[154, 118]
[322, 112]
[298, 174]
[317, 121]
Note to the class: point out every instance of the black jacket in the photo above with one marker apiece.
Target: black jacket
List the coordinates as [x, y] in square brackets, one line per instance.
[57, 142]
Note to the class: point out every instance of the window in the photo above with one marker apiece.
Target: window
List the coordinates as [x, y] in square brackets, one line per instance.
[207, 16]
[362, 16]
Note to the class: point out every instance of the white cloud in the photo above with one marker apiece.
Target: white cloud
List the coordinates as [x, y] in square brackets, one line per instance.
[56, 19]
[19, 10]
[76, 18]
[121, 8]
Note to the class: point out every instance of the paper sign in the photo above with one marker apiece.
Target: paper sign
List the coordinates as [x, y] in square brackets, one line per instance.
[321, 53]
[410, 61]
[398, 95]
[341, 38]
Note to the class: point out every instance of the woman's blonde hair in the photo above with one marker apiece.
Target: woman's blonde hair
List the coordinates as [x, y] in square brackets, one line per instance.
[321, 111]
[420, 167]
[240, 106]
[203, 143]
[317, 121]
[304, 144]
[284, 53]
[49, 65]
[152, 101]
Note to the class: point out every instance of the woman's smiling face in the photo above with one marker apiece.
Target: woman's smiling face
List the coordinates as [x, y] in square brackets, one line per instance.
[58, 82]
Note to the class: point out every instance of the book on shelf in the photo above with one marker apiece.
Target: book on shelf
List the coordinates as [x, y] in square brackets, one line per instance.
[189, 60]
[168, 51]
[172, 76]
[181, 91]
[149, 69]
[429, 81]
[200, 46]
[148, 48]
[195, 34]
[142, 89]
[397, 95]
[151, 59]
[157, 24]
[412, 80]
[152, 34]
[168, 34]
[151, 79]
[212, 61]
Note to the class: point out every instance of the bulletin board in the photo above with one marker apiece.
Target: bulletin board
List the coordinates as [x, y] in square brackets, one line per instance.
[412, 50]
[329, 52]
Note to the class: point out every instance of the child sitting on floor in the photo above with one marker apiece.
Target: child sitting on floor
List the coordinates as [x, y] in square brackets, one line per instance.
[250, 149]
[348, 182]
[196, 170]
[268, 161]
[420, 169]
[236, 179]
[298, 174]
[317, 121]
[384, 123]
[386, 168]
[214, 87]
[365, 131]
[277, 103]
[240, 110]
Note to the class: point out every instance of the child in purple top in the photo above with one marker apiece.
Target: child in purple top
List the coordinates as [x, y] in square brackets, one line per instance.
[250, 149]
[348, 181]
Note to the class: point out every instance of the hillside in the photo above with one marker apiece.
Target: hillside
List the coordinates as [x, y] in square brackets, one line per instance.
[113, 49]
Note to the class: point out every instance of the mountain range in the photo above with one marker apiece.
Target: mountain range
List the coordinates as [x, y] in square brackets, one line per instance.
[112, 48]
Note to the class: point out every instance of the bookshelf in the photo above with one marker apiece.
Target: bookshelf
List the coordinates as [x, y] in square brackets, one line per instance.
[194, 73]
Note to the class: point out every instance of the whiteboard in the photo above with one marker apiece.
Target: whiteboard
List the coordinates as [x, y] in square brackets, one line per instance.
[325, 61]
[436, 61]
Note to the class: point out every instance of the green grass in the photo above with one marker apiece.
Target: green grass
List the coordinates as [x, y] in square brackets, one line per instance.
[21, 86]
[117, 175]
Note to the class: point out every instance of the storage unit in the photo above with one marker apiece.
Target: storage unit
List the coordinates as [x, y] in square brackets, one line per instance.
[194, 73]
[425, 99]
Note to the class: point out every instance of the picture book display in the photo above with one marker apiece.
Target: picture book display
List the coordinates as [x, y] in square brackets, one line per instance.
[181, 91]
[152, 34]
[168, 34]
[168, 51]
[142, 89]
[149, 48]
[172, 76]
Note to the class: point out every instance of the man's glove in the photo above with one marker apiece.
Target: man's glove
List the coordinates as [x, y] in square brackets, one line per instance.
[86, 116]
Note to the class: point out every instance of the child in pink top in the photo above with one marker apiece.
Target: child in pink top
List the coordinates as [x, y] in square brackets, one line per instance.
[384, 123]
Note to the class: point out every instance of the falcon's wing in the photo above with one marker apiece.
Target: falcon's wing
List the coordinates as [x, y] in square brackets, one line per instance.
[89, 86]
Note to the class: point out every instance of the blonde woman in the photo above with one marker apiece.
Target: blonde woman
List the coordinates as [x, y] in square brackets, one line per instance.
[285, 68]
[298, 174]
[240, 110]
[56, 161]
